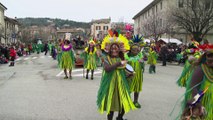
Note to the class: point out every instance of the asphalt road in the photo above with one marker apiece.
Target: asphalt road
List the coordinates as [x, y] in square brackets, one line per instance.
[35, 90]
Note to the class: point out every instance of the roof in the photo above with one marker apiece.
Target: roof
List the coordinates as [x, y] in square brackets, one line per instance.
[153, 3]
[3, 6]
[11, 20]
[108, 20]
[69, 31]
[171, 40]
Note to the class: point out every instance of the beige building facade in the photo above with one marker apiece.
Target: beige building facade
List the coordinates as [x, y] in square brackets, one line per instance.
[156, 19]
[99, 28]
[9, 27]
[2, 22]
[11, 30]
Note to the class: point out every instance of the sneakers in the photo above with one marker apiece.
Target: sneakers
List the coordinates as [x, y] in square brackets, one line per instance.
[137, 105]
[65, 77]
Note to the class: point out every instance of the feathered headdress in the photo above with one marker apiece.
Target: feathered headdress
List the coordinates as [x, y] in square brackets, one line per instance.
[92, 42]
[128, 27]
[137, 40]
[115, 37]
[206, 47]
[194, 44]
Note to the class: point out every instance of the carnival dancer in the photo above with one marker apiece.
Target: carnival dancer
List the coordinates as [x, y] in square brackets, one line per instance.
[39, 46]
[66, 61]
[114, 92]
[90, 59]
[193, 53]
[135, 59]
[59, 50]
[54, 51]
[152, 59]
[198, 101]
[129, 31]
[12, 56]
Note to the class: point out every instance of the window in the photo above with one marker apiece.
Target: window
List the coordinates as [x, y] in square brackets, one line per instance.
[161, 5]
[207, 4]
[153, 11]
[156, 8]
[161, 23]
[180, 3]
[98, 27]
[106, 28]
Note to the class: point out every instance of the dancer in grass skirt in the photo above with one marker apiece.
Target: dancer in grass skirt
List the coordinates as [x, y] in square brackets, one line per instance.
[199, 96]
[114, 92]
[90, 59]
[66, 61]
[135, 59]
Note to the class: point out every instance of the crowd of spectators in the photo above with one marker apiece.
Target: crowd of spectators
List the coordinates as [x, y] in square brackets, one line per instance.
[9, 51]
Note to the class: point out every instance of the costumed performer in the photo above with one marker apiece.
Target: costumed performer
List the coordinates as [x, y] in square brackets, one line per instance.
[135, 59]
[90, 59]
[199, 93]
[67, 59]
[114, 92]
[152, 58]
[193, 53]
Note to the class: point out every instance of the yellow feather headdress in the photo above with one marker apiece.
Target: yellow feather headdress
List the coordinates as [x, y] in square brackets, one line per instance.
[112, 38]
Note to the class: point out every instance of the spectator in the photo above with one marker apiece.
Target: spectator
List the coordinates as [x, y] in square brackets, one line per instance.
[46, 48]
[12, 55]
[164, 53]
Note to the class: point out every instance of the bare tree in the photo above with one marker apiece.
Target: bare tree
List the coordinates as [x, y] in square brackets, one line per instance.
[195, 16]
[156, 26]
[25, 36]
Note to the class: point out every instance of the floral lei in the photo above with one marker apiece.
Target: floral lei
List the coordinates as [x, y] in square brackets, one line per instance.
[67, 49]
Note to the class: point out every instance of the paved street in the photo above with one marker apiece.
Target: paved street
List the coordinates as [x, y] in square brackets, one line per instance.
[35, 90]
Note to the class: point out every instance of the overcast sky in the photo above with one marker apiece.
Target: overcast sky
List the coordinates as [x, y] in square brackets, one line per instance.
[77, 10]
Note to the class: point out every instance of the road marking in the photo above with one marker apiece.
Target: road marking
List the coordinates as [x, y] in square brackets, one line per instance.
[34, 57]
[78, 75]
[26, 58]
[42, 56]
[62, 72]
[49, 56]
[76, 70]
[59, 74]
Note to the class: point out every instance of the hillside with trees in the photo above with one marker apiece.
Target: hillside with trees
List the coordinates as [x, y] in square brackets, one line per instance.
[26, 22]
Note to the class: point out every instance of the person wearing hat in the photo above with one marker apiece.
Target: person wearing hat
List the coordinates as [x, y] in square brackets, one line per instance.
[90, 59]
[193, 54]
[67, 59]
[135, 59]
[152, 59]
[199, 91]
[114, 92]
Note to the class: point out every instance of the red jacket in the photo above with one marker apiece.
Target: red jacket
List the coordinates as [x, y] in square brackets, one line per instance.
[12, 53]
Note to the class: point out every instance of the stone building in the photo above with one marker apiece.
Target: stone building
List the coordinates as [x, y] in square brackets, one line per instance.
[11, 30]
[2, 23]
[99, 28]
[156, 19]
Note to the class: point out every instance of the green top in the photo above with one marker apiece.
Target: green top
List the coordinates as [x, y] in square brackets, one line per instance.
[114, 92]
[152, 57]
